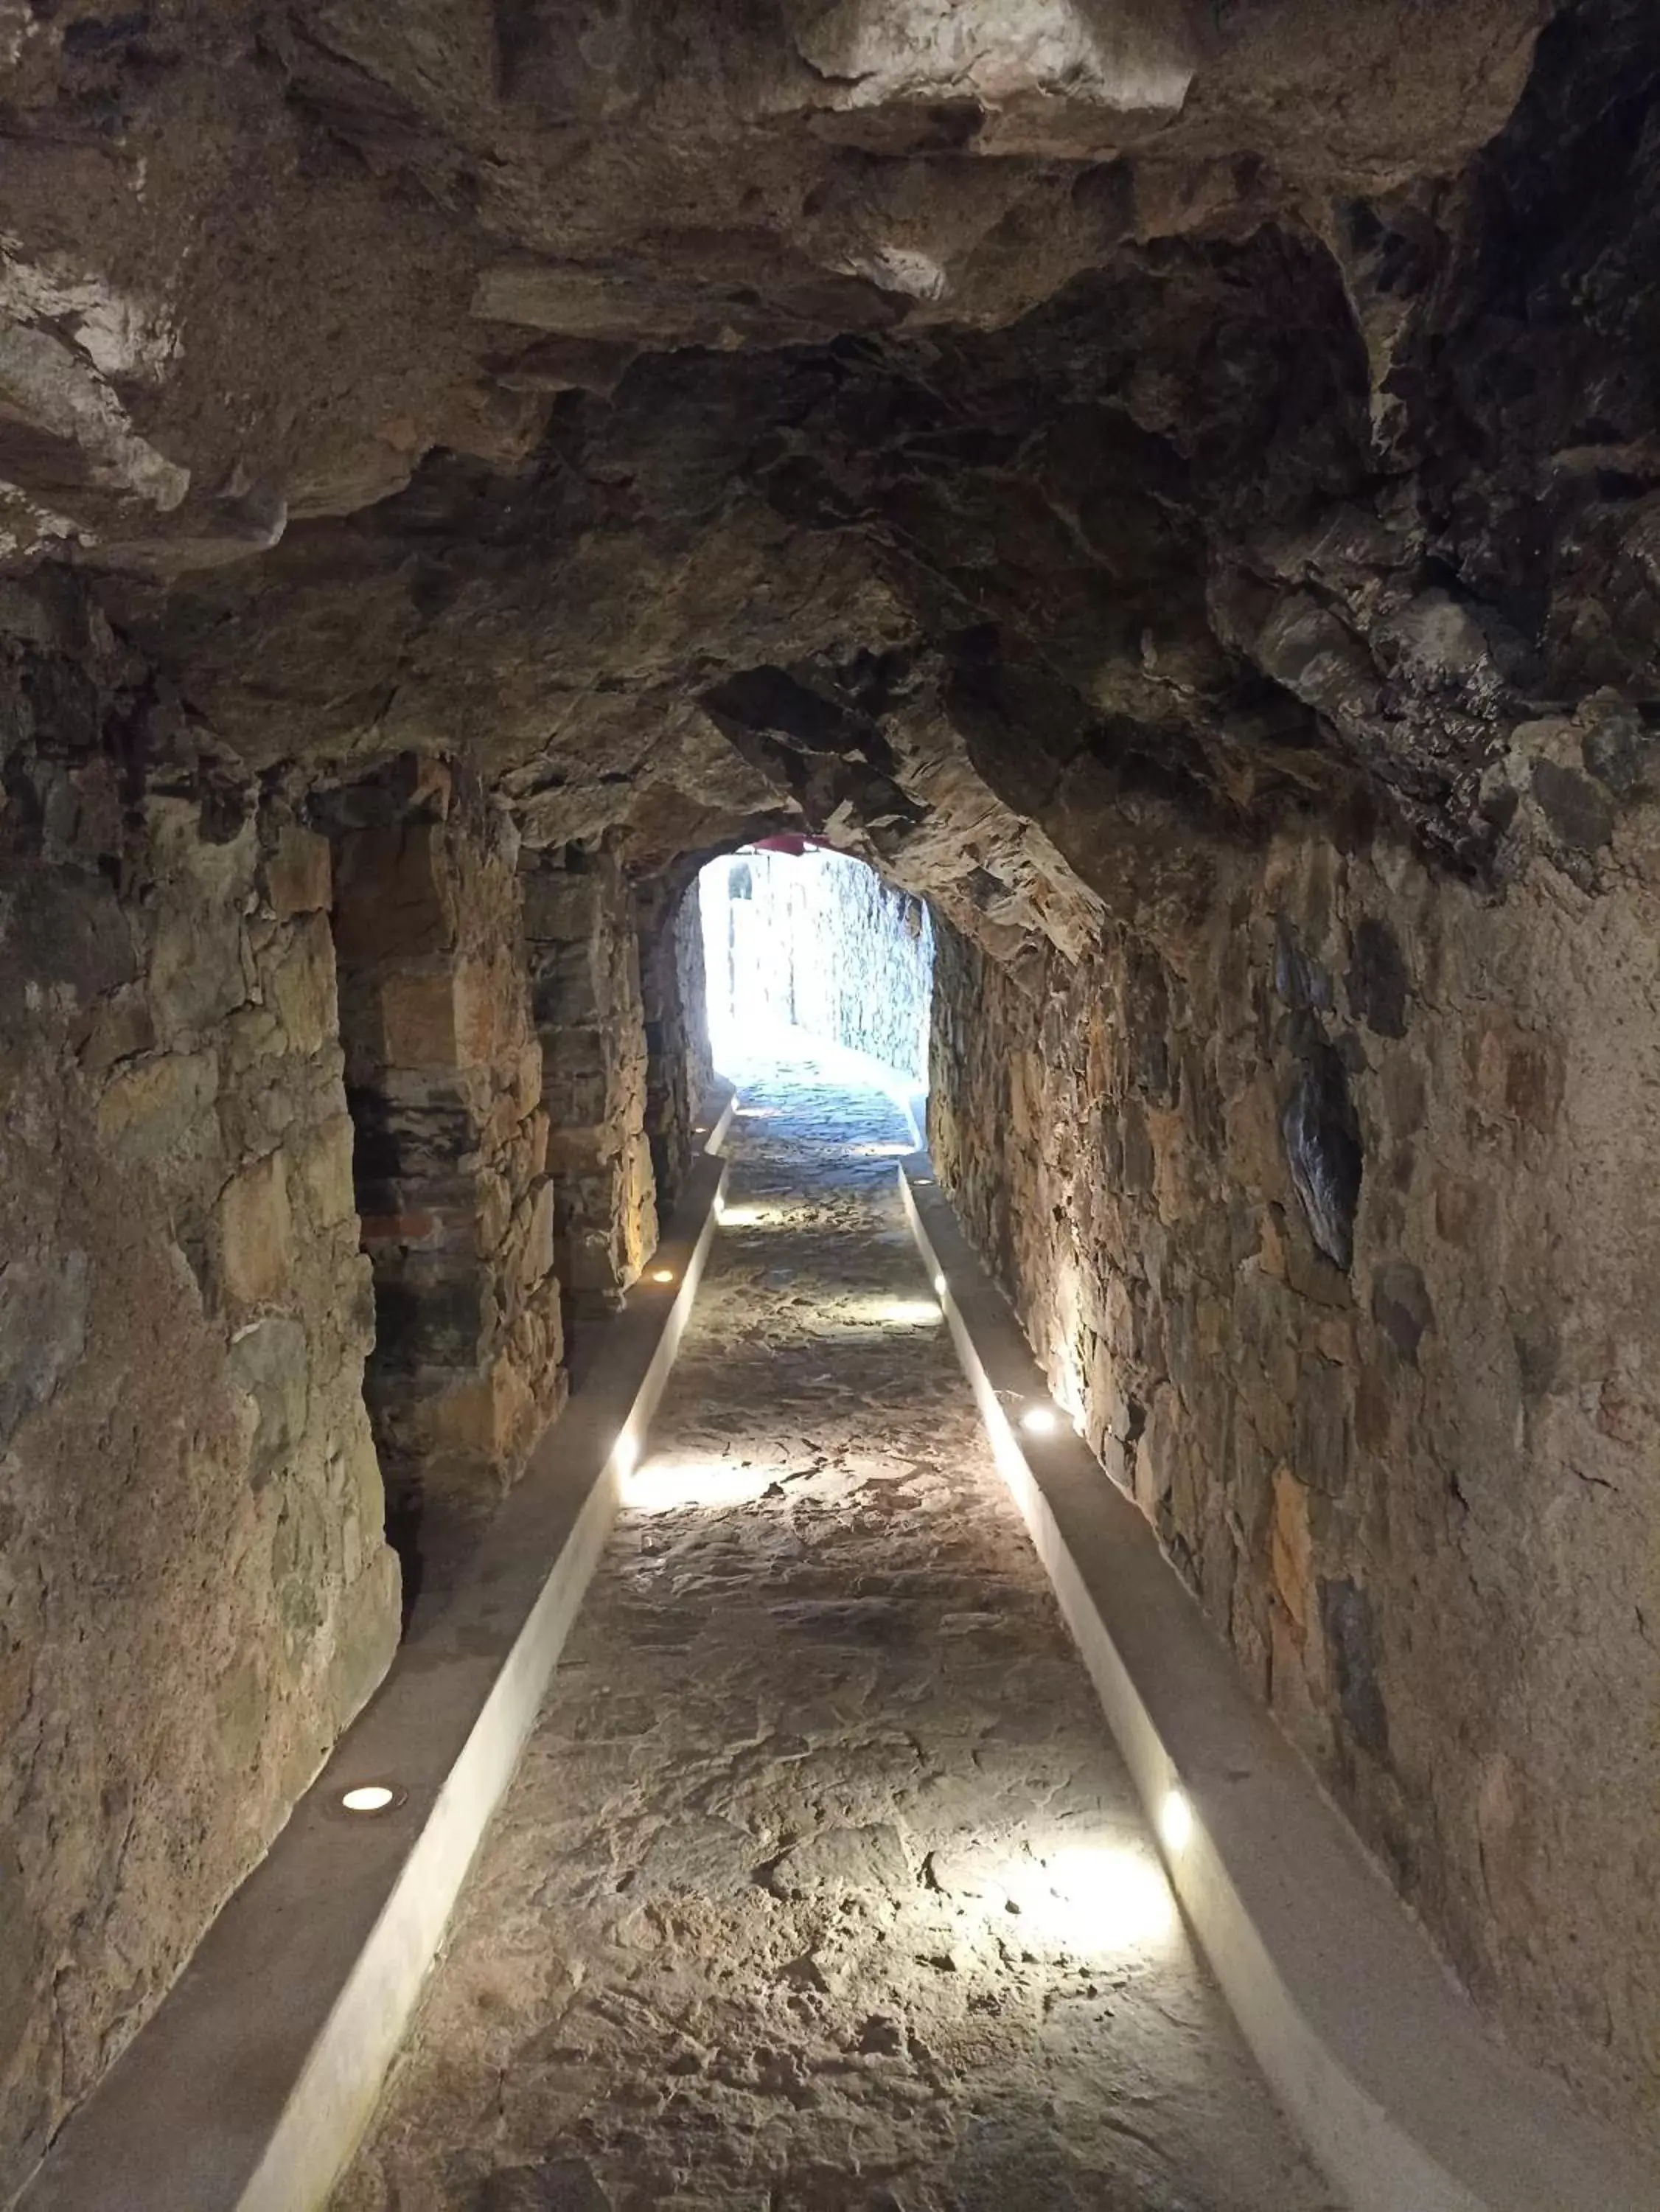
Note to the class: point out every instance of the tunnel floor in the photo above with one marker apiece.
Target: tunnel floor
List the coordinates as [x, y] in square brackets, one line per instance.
[822, 1884]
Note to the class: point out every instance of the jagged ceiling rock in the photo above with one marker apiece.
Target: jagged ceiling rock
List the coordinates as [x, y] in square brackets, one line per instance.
[278, 251]
[1025, 442]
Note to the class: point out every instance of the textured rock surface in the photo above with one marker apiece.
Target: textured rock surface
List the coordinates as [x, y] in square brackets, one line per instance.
[1088, 465]
[679, 1072]
[456, 212]
[194, 1592]
[583, 933]
[445, 1081]
[817, 941]
[821, 1884]
[1412, 1492]
[1142, 475]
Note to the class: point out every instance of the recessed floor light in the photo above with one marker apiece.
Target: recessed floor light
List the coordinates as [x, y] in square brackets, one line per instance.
[1175, 1820]
[662, 1274]
[369, 1798]
[1038, 1421]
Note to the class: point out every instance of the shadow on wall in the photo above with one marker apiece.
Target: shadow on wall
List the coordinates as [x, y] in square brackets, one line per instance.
[817, 942]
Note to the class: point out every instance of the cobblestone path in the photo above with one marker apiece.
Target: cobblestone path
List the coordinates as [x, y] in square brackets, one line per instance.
[822, 1884]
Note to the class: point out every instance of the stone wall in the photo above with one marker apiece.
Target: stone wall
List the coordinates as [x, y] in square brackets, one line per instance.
[195, 1594]
[444, 1074]
[1328, 1199]
[679, 1072]
[821, 941]
[583, 942]
[691, 987]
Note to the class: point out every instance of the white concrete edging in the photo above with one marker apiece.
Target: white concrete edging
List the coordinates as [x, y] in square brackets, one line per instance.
[249, 2088]
[721, 1127]
[1401, 2094]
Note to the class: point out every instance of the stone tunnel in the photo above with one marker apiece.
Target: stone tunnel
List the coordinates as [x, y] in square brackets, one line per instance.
[1153, 513]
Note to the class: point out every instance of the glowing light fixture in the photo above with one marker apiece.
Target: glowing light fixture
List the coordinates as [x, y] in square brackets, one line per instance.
[1039, 1421]
[939, 1286]
[1175, 1820]
[369, 1798]
[662, 1274]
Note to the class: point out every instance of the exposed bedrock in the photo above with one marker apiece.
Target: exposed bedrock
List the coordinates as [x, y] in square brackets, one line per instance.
[1178, 489]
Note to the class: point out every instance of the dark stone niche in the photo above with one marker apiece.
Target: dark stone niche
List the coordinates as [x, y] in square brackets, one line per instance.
[1323, 1149]
[1377, 979]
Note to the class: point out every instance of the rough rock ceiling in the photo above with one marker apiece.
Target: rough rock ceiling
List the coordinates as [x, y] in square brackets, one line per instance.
[1031, 438]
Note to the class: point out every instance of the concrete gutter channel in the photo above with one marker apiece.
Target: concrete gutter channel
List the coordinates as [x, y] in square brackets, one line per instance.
[249, 2088]
[1379, 2059]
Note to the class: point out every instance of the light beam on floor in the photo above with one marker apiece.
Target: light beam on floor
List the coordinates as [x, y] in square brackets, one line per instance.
[666, 1485]
[1094, 1900]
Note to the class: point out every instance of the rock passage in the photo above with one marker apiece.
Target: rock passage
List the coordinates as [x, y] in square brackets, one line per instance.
[822, 1884]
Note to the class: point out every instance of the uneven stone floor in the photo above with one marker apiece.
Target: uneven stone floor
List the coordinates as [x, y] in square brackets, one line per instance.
[822, 1884]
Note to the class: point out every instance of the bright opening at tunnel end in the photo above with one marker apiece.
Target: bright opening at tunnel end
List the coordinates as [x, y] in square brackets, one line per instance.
[812, 947]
